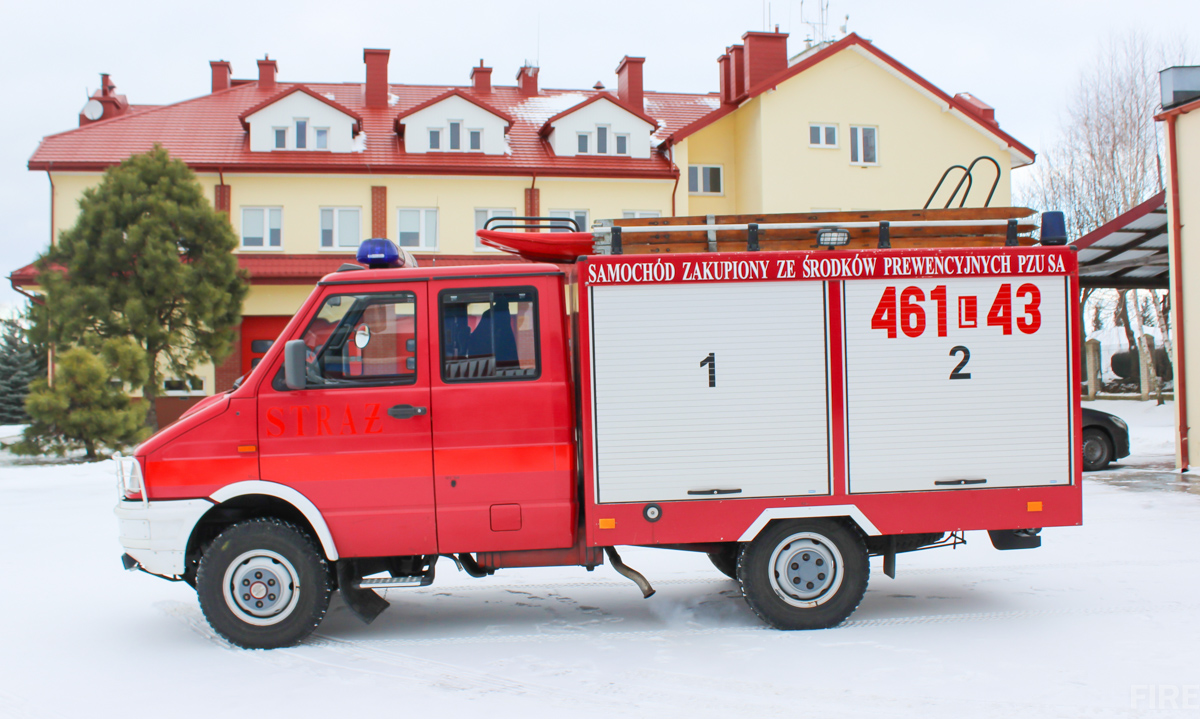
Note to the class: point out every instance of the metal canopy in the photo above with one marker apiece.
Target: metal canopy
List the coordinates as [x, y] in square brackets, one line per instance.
[1128, 253]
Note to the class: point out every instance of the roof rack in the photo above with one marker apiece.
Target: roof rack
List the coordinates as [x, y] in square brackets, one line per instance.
[883, 229]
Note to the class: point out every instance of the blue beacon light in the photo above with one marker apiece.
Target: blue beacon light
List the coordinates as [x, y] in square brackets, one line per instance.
[379, 253]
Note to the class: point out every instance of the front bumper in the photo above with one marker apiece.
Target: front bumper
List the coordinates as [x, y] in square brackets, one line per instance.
[155, 534]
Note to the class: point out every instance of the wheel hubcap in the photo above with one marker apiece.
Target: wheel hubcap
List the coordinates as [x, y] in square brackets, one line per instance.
[261, 587]
[806, 569]
[1093, 450]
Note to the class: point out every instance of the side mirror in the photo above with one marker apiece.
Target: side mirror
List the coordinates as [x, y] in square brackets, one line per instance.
[294, 361]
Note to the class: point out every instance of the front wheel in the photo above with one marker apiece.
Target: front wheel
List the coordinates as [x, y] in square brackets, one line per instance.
[263, 584]
[1097, 450]
[804, 574]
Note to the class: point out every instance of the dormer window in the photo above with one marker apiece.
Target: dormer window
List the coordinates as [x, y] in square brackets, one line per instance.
[476, 139]
[454, 121]
[622, 144]
[435, 139]
[601, 140]
[322, 138]
[300, 119]
[281, 138]
[600, 125]
[301, 134]
[455, 135]
[583, 143]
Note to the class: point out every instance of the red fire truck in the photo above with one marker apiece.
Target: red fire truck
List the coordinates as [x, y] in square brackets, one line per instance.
[789, 394]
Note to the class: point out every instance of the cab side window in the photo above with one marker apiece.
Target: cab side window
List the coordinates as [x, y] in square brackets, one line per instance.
[363, 339]
[489, 334]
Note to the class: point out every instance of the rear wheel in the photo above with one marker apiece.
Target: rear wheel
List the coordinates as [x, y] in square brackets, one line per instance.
[1097, 450]
[263, 584]
[726, 559]
[804, 574]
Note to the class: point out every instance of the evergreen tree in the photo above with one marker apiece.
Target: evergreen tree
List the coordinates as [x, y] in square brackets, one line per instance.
[148, 259]
[84, 409]
[20, 364]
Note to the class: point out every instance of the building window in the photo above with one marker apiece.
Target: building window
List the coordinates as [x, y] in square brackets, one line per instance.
[622, 144]
[482, 215]
[322, 138]
[489, 334]
[639, 214]
[281, 138]
[418, 228]
[822, 136]
[580, 217]
[435, 139]
[475, 138]
[301, 134]
[340, 228]
[582, 139]
[262, 228]
[601, 140]
[704, 179]
[456, 136]
[864, 148]
[186, 387]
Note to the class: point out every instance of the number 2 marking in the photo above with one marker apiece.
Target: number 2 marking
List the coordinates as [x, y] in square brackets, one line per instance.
[957, 372]
[711, 361]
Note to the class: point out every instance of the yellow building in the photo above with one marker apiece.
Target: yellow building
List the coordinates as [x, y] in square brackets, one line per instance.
[307, 170]
[1181, 101]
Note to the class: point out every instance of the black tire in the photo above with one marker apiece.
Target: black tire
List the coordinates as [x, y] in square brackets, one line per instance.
[284, 580]
[1097, 449]
[726, 560]
[816, 598]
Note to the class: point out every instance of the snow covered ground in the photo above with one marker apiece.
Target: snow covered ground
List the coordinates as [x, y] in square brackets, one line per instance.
[1099, 622]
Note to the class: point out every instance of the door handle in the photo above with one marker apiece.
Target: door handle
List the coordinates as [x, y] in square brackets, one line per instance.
[405, 411]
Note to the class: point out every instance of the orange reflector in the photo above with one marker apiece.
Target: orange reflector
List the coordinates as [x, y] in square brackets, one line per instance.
[247, 448]
[1033, 506]
[608, 523]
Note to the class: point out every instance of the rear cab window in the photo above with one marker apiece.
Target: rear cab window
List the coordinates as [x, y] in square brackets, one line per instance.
[489, 334]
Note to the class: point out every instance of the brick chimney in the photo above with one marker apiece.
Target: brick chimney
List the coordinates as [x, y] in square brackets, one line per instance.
[527, 80]
[266, 73]
[737, 70]
[376, 92]
[222, 72]
[482, 77]
[723, 68]
[981, 109]
[766, 55]
[629, 81]
[104, 104]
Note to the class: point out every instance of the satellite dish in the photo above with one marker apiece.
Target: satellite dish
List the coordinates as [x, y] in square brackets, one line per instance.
[93, 110]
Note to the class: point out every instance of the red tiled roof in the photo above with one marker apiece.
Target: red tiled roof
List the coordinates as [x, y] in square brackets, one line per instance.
[205, 133]
[545, 130]
[456, 92]
[244, 117]
[832, 49]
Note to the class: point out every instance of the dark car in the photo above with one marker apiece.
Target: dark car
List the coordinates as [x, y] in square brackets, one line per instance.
[1105, 438]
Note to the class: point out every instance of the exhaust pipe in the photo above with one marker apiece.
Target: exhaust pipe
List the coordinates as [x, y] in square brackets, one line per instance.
[632, 574]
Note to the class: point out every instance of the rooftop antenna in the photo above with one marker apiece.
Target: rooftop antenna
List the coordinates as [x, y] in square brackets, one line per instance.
[818, 31]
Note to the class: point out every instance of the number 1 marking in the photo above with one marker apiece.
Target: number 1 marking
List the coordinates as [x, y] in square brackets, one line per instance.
[711, 361]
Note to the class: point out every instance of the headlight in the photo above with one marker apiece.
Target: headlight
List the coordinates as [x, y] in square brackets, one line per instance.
[129, 478]
[1120, 423]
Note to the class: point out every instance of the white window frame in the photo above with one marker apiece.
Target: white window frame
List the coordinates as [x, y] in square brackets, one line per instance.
[450, 136]
[471, 131]
[588, 142]
[857, 145]
[491, 212]
[189, 392]
[700, 177]
[823, 126]
[266, 245]
[438, 130]
[275, 142]
[639, 214]
[425, 243]
[572, 215]
[617, 138]
[317, 133]
[337, 246]
[609, 143]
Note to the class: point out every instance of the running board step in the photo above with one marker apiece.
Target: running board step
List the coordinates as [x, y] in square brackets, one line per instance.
[393, 582]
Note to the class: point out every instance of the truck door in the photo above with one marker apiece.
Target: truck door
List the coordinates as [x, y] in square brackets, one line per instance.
[502, 430]
[356, 440]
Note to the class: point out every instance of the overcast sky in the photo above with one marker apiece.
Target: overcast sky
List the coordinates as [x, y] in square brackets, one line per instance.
[1020, 56]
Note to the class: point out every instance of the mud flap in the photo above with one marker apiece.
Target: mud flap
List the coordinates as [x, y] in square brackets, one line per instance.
[363, 603]
[1014, 538]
